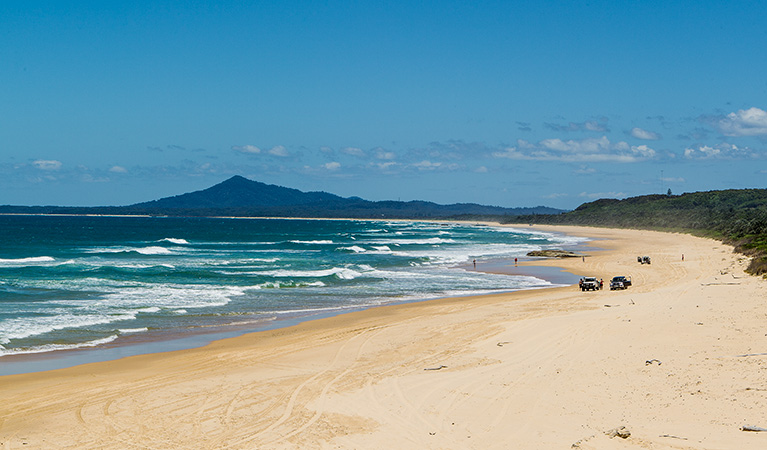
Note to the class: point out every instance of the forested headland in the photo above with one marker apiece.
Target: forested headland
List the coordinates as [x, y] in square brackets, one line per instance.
[736, 216]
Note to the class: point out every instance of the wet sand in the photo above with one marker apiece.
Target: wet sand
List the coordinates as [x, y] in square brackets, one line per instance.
[679, 360]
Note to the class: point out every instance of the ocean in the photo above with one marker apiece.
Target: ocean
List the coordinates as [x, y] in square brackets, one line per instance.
[74, 282]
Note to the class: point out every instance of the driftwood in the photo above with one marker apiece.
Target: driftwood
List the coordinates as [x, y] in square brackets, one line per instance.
[436, 368]
[752, 428]
[650, 361]
[672, 436]
[501, 344]
[751, 354]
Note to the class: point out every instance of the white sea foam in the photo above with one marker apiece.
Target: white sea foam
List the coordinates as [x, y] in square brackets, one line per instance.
[355, 249]
[55, 347]
[175, 241]
[132, 330]
[35, 260]
[20, 328]
[282, 284]
[137, 266]
[154, 250]
[340, 272]
[424, 241]
[553, 238]
[317, 242]
[314, 310]
[170, 296]
[150, 250]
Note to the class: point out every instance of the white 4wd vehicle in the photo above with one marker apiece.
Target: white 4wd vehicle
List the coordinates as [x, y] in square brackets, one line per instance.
[589, 284]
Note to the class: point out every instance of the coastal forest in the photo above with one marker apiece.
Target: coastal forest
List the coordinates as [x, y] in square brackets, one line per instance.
[737, 217]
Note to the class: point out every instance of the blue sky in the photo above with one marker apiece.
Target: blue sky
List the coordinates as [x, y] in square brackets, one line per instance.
[510, 103]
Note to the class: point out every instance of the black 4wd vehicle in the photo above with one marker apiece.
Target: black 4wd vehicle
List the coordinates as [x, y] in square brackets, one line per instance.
[620, 282]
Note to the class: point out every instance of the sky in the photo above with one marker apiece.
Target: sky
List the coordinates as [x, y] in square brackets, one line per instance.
[507, 103]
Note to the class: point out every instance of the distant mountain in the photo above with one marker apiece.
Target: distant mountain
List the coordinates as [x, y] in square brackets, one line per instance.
[239, 196]
[239, 192]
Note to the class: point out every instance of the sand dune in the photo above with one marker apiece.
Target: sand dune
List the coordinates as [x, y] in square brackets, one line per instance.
[679, 360]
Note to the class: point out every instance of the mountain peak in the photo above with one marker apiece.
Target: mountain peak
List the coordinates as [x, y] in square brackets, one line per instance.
[240, 196]
[240, 192]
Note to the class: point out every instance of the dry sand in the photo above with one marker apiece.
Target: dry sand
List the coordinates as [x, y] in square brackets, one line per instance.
[542, 369]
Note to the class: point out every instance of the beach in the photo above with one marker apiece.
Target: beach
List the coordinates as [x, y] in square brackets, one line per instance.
[679, 360]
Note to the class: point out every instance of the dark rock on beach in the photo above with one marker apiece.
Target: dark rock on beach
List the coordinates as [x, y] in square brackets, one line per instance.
[554, 254]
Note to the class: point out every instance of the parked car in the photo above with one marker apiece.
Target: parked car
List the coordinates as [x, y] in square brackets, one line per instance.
[620, 282]
[589, 284]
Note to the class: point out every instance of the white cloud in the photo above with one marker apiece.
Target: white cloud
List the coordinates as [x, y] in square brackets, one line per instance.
[585, 170]
[385, 155]
[644, 134]
[703, 151]
[89, 178]
[118, 169]
[354, 151]
[593, 125]
[584, 150]
[643, 151]
[583, 146]
[332, 165]
[481, 169]
[434, 165]
[279, 150]
[246, 149]
[722, 151]
[748, 122]
[589, 125]
[386, 165]
[427, 165]
[46, 164]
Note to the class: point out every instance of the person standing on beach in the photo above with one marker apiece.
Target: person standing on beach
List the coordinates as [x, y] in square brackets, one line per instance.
[475, 263]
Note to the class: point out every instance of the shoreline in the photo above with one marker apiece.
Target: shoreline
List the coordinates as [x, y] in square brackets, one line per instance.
[160, 341]
[141, 344]
[672, 358]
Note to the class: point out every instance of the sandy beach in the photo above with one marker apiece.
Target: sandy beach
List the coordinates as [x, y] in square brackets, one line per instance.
[679, 360]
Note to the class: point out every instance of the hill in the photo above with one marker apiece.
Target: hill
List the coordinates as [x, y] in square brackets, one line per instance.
[240, 197]
[735, 216]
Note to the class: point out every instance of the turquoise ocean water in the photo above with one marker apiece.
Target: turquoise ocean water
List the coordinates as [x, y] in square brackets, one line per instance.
[90, 282]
